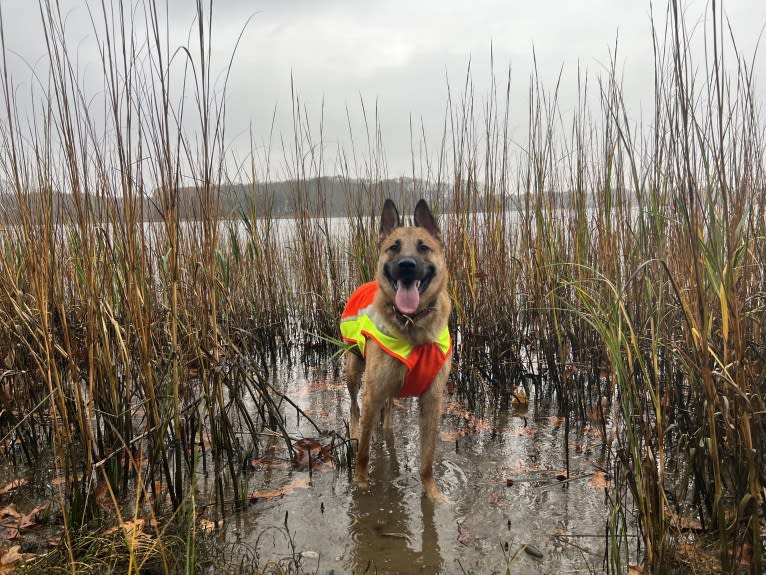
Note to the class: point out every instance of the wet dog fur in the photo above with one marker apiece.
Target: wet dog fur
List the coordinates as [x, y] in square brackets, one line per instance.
[408, 254]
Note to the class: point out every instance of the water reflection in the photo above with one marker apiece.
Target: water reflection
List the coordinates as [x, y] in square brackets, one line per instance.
[332, 527]
[387, 523]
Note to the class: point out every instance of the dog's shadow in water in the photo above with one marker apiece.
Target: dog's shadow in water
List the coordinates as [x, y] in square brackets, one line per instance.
[387, 535]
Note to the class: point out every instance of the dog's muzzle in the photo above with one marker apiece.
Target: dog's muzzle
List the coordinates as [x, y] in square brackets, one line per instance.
[409, 278]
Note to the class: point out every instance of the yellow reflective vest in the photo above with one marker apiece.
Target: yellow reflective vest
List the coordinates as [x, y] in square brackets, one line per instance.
[360, 322]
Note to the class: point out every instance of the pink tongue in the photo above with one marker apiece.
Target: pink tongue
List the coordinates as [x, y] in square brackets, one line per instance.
[407, 298]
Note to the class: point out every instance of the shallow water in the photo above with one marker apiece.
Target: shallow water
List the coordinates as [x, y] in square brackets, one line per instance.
[498, 470]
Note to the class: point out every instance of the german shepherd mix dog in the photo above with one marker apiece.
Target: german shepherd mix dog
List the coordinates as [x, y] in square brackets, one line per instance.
[398, 325]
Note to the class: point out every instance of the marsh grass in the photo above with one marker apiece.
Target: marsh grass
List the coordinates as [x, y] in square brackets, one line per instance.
[615, 272]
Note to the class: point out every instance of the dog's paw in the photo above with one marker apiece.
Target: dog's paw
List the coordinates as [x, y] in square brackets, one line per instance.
[361, 480]
[435, 496]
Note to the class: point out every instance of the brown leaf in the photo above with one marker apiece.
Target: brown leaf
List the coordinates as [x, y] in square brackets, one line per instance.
[209, 526]
[497, 499]
[635, 569]
[309, 452]
[12, 486]
[9, 532]
[463, 535]
[12, 557]
[297, 483]
[10, 511]
[471, 422]
[133, 528]
[267, 462]
[104, 496]
[30, 519]
[600, 480]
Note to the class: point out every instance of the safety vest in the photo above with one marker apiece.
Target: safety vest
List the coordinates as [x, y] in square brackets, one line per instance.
[360, 322]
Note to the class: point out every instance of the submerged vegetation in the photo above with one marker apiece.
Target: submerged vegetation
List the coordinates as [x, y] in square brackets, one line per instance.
[608, 265]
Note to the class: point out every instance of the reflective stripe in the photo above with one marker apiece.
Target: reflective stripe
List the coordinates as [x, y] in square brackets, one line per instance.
[360, 321]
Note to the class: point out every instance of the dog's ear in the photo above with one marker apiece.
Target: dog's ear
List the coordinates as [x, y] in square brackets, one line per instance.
[425, 219]
[389, 221]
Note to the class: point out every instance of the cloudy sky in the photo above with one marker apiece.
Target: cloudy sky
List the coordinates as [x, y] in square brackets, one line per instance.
[396, 56]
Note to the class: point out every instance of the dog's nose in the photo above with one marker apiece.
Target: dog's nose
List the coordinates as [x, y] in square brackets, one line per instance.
[407, 268]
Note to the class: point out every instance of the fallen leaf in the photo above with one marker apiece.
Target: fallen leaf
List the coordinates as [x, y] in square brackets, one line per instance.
[463, 535]
[297, 483]
[209, 526]
[497, 499]
[9, 532]
[472, 424]
[635, 569]
[599, 480]
[12, 557]
[309, 452]
[10, 511]
[12, 486]
[104, 496]
[134, 525]
[30, 519]
[133, 528]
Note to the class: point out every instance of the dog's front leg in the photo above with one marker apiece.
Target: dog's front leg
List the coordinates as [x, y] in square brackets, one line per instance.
[370, 412]
[354, 368]
[430, 417]
[383, 376]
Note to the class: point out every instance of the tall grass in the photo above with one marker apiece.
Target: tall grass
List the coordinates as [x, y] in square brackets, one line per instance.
[607, 265]
[129, 346]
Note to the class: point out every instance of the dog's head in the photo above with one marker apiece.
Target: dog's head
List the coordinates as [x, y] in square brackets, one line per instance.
[411, 267]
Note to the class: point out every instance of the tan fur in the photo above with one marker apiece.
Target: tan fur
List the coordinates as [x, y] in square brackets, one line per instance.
[383, 375]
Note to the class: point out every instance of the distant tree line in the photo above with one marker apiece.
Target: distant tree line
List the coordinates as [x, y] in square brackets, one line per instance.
[330, 196]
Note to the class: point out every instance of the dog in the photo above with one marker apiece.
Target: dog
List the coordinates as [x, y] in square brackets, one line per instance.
[401, 345]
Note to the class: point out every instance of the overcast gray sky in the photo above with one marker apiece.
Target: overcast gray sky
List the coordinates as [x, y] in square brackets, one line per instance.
[396, 54]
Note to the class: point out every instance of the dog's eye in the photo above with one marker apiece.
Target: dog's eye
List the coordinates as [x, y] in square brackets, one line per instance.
[423, 248]
[395, 247]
